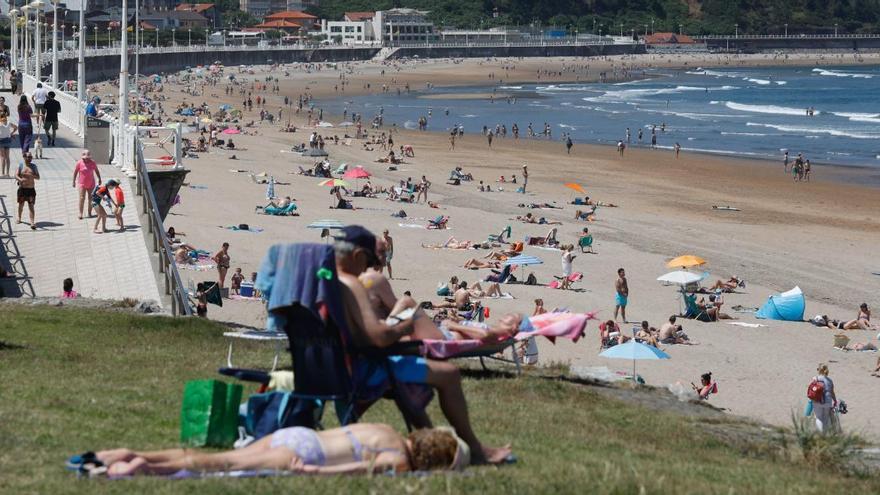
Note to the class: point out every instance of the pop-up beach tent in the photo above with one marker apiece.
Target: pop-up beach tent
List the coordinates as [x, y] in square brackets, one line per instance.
[788, 306]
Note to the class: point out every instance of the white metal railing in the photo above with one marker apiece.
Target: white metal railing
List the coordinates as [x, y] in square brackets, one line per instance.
[784, 36]
[498, 44]
[72, 109]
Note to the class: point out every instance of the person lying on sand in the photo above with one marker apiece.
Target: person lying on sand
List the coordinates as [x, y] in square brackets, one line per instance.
[585, 215]
[527, 218]
[730, 285]
[475, 264]
[451, 243]
[539, 205]
[354, 449]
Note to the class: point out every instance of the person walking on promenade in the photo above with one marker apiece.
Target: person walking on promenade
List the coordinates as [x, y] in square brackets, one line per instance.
[25, 124]
[84, 173]
[51, 109]
[26, 175]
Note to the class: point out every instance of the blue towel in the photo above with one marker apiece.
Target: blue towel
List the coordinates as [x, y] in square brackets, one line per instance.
[303, 274]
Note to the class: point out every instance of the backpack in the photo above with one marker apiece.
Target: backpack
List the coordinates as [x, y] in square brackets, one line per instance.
[816, 391]
[531, 279]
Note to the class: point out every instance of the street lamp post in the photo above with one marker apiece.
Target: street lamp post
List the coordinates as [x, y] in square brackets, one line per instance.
[206, 36]
[25, 41]
[13, 35]
[646, 30]
[38, 8]
[621, 29]
[736, 30]
[173, 38]
[786, 30]
[652, 25]
[835, 30]
[81, 66]
[123, 86]
[55, 44]
[189, 36]
[680, 29]
[96, 37]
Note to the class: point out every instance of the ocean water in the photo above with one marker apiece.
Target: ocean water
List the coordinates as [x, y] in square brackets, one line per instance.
[756, 113]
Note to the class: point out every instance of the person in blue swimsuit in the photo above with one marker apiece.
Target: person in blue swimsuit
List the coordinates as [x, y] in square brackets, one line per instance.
[357, 448]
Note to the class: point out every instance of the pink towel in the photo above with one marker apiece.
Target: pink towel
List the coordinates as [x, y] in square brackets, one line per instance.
[552, 325]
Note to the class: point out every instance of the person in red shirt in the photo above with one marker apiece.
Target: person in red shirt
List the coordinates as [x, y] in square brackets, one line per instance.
[120, 205]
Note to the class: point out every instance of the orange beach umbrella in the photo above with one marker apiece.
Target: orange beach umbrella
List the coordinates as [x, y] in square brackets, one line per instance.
[577, 187]
[686, 261]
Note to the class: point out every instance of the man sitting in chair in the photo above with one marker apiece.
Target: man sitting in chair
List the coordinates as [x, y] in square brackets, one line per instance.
[356, 251]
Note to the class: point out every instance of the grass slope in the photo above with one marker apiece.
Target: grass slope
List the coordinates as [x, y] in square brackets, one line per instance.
[75, 380]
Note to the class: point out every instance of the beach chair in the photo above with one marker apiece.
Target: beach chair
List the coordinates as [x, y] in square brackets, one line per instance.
[586, 242]
[341, 169]
[438, 223]
[499, 276]
[326, 364]
[693, 310]
[841, 341]
[565, 282]
[501, 236]
[289, 210]
[403, 195]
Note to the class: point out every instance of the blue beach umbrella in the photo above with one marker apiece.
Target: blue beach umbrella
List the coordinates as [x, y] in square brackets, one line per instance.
[523, 260]
[633, 350]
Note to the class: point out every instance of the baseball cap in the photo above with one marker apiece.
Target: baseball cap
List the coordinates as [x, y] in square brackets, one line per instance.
[360, 237]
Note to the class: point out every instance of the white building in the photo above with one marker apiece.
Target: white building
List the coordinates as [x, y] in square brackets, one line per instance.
[347, 32]
[403, 26]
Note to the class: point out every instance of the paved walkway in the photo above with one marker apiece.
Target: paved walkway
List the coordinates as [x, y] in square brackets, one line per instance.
[114, 265]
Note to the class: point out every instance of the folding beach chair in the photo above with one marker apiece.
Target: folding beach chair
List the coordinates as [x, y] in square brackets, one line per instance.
[504, 234]
[326, 364]
[586, 242]
[438, 223]
[565, 282]
[693, 310]
[499, 276]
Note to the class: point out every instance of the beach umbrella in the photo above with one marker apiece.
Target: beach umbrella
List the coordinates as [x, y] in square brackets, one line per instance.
[575, 186]
[523, 260]
[334, 183]
[633, 350]
[270, 189]
[356, 173]
[686, 261]
[345, 124]
[324, 124]
[230, 130]
[680, 277]
[225, 107]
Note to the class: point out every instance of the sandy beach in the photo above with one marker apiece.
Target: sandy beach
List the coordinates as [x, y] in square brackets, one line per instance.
[819, 235]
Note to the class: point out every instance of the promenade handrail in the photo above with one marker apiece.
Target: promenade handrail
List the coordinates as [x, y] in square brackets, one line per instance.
[783, 36]
[180, 305]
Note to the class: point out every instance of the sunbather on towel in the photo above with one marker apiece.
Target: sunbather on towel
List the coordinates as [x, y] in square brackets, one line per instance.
[355, 449]
[527, 218]
[648, 334]
[475, 264]
[727, 286]
[355, 252]
[451, 243]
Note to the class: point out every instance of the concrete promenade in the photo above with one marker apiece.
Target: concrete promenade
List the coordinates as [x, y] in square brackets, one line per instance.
[113, 265]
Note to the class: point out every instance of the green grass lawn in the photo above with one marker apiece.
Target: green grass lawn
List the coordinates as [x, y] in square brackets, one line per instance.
[75, 380]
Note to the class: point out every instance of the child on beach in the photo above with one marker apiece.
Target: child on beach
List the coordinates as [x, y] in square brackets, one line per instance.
[120, 205]
[237, 279]
[99, 194]
[257, 293]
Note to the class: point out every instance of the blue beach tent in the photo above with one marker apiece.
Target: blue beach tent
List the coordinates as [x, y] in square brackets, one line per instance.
[788, 306]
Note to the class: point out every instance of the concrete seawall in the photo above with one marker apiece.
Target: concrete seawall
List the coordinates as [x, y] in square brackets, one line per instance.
[518, 51]
[106, 67]
[755, 45]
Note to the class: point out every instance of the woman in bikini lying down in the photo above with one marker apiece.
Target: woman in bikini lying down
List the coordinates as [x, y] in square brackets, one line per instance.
[357, 448]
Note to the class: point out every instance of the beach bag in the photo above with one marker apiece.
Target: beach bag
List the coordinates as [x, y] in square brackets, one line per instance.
[816, 391]
[272, 411]
[443, 289]
[209, 414]
[531, 280]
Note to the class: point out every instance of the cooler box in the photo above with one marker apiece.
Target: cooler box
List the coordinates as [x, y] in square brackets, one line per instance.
[247, 290]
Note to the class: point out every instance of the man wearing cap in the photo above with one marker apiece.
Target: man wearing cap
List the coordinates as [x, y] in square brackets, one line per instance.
[355, 249]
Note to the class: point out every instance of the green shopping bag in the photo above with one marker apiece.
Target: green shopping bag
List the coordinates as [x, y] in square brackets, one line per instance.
[209, 415]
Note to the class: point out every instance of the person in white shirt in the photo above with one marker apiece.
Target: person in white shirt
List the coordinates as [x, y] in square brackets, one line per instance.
[39, 97]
